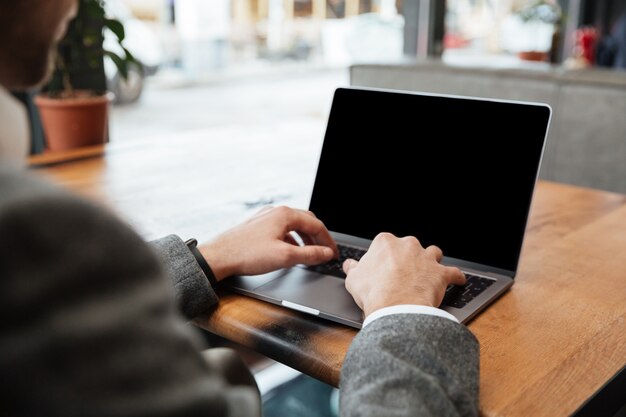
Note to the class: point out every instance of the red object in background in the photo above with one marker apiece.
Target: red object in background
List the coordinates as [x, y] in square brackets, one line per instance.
[454, 41]
[586, 39]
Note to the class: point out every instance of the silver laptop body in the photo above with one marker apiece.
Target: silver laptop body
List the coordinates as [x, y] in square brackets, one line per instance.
[377, 136]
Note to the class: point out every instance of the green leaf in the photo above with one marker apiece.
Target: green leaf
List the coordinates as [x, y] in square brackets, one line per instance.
[93, 8]
[120, 63]
[116, 27]
[130, 58]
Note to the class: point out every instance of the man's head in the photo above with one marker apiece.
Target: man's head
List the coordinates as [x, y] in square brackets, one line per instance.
[29, 33]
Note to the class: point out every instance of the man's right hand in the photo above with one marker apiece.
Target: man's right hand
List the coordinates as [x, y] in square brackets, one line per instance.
[264, 243]
[397, 271]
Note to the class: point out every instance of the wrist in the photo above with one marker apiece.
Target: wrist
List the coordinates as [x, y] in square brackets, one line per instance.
[219, 263]
[379, 304]
[192, 245]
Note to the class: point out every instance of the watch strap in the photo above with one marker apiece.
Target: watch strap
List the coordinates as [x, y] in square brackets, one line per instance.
[192, 244]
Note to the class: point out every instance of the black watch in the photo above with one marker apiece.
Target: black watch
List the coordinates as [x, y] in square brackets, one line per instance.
[192, 244]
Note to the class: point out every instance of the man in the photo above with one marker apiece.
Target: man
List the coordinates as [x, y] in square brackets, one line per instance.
[90, 326]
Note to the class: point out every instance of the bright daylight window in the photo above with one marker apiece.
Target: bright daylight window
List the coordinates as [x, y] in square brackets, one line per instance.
[503, 30]
[202, 37]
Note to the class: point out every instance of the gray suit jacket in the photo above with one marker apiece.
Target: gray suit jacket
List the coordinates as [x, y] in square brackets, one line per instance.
[90, 327]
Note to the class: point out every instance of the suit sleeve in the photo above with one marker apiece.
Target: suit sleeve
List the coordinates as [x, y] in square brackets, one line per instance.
[90, 325]
[193, 293]
[411, 365]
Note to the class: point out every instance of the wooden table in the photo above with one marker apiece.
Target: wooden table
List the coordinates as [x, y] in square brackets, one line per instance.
[547, 345]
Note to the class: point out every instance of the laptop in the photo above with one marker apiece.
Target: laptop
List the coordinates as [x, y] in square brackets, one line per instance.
[456, 172]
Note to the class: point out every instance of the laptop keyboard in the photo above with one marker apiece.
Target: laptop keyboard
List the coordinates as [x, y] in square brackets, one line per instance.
[335, 266]
[457, 296]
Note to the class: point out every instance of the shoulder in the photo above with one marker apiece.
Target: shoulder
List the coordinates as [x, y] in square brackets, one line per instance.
[42, 224]
[27, 196]
[29, 204]
[17, 185]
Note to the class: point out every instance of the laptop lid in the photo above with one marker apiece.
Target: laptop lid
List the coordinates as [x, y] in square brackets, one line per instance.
[456, 172]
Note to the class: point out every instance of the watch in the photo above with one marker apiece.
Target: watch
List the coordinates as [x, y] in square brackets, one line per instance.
[192, 244]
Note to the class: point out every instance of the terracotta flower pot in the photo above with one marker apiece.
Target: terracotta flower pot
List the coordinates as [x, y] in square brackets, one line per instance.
[74, 122]
[539, 56]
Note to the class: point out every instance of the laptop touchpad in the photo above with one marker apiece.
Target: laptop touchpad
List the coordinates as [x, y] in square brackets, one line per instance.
[321, 292]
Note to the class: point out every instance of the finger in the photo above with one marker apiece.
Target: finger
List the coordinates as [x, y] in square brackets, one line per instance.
[306, 224]
[301, 239]
[350, 287]
[309, 212]
[434, 252]
[291, 240]
[310, 254]
[385, 237]
[306, 239]
[296, 238]
[455, 275]
[348, 265]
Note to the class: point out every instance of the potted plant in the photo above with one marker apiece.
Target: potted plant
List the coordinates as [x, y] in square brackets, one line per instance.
[540, 22]
[74, 105]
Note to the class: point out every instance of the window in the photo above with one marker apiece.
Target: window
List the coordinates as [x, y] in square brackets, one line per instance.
[501, 28]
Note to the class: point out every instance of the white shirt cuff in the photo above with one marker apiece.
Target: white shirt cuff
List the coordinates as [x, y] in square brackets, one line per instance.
[407, 309]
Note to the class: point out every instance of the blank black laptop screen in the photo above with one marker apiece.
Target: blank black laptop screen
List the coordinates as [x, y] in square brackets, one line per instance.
[455, 172]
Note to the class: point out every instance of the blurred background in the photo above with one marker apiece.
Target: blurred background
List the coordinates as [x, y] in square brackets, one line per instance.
[228, 55]
[196, 41]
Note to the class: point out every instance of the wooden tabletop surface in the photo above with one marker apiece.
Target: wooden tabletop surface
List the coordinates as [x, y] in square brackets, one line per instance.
[546, 345]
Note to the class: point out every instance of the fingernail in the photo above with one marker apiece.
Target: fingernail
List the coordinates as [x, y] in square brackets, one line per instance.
[328, 252]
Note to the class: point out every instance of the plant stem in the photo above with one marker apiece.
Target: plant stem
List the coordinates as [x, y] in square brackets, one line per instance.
[68, 90]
